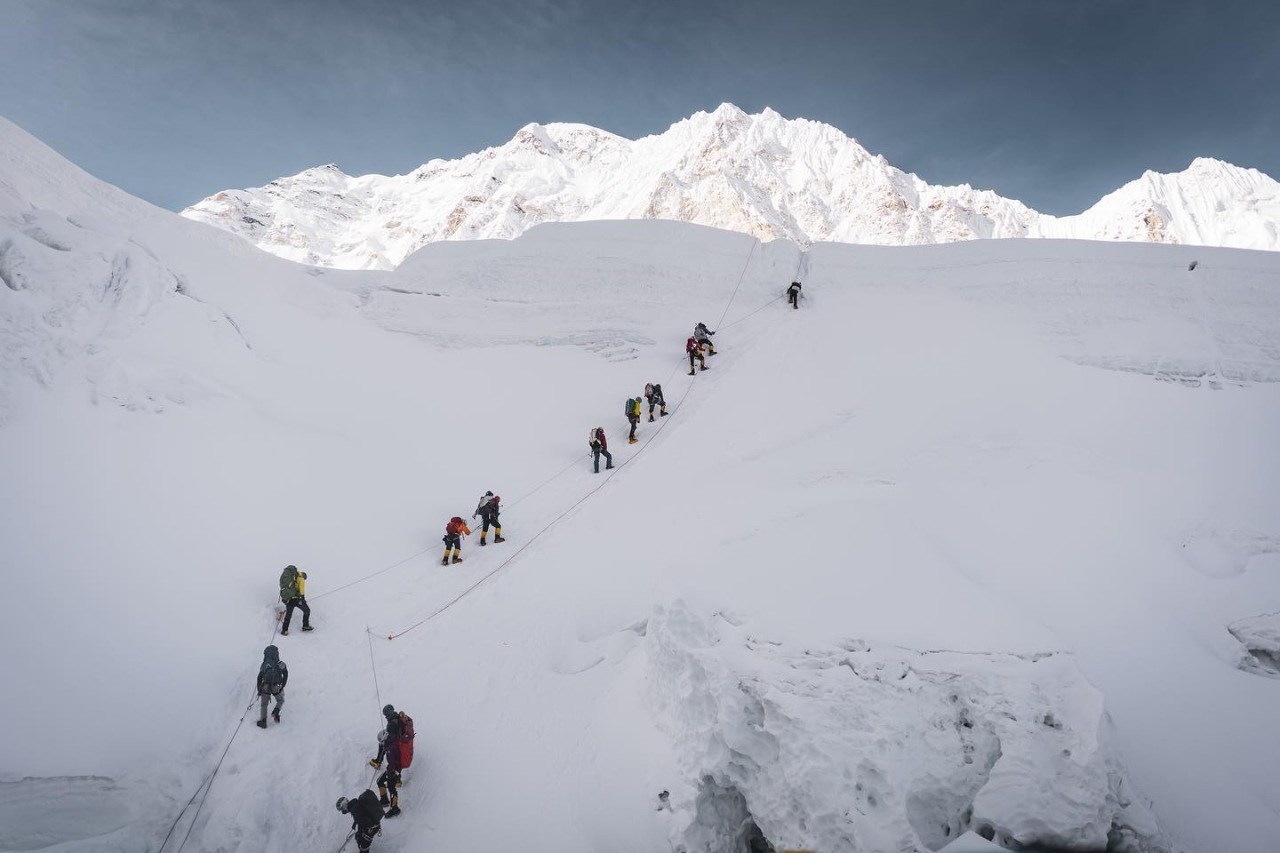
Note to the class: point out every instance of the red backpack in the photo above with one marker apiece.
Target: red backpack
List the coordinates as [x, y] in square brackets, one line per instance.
[406, 740]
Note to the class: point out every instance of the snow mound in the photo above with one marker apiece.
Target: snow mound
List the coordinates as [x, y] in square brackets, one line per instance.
[882, 748]
[1260, 636]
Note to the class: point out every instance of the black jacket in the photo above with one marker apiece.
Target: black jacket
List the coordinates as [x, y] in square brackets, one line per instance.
[365, 810]
[395, 730]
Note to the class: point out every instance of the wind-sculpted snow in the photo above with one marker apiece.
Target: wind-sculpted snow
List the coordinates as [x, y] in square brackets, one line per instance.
[762, 175]
[977, 539]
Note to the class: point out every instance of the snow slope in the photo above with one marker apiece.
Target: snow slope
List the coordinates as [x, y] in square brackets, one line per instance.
[940, 552]
[762, 175]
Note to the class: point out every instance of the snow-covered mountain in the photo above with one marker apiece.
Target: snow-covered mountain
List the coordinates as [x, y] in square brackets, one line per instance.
[968, 544]
[762, 175]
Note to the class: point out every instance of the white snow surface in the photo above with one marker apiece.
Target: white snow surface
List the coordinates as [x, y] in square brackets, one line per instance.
[762, 175]
[972, 543]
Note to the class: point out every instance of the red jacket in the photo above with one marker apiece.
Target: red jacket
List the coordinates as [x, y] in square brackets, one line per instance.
[604, 445]
[455, 526]
[692, 345]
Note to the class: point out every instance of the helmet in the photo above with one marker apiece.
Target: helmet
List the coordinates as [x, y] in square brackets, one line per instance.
[488, 494]
[382, 736]
[388, 711]
[342, 804]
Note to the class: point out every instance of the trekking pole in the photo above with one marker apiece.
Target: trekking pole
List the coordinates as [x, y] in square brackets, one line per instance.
[350, 835]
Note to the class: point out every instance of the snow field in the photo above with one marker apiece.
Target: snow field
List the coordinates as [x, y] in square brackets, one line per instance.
[922, 486]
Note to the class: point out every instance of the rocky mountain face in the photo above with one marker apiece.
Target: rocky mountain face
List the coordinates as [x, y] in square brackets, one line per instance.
[760, 174]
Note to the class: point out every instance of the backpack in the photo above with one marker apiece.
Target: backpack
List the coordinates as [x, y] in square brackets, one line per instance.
[406, 740]
[289, 583]
[271, 677]
[592, 441]
[633, 408]
[648, 390]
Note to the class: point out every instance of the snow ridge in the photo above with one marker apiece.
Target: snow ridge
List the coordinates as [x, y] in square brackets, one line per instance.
[763, 175]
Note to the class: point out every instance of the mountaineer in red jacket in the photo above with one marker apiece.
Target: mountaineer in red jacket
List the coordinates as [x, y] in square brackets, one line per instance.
[694, 347]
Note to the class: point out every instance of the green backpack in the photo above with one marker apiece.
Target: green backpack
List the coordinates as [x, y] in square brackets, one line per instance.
[289, 583]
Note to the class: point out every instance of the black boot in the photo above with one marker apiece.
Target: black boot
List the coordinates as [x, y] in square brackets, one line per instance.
[307, 628]
[499, 539]
[393, 811]
[483, 543]
[457, 559]
[262, 724]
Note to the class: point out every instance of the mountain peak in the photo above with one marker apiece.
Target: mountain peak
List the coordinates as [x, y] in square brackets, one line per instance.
[763, 175]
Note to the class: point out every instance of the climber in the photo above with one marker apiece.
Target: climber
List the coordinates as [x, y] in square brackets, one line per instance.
[633, 417]
[488, 514]
[653, 393]
[704, 337]
[293, 592]
[598, 444]
[793, 294]
[453, 533]
[366, 817]
[273, 675]
[396, 743]
[694, 349]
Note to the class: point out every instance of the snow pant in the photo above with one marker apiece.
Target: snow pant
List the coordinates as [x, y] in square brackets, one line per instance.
[635, 421]
[301, 603]
[487, 520]
[658, 401]
[266, 700]
[795, 299]
[365, 836]
[390, 779]
[706, 342]
[607, 456]
[452, 541]
[700, 357]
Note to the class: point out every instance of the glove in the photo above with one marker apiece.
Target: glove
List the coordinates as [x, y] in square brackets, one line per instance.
[375, 764]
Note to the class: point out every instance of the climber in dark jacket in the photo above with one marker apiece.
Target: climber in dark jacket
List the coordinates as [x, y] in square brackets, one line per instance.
[793, 294]
[366, 817]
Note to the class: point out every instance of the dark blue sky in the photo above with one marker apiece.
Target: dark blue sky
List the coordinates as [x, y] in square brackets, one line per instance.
[1048, 101]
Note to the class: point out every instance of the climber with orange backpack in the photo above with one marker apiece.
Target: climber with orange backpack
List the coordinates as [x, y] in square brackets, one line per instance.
[453, 533]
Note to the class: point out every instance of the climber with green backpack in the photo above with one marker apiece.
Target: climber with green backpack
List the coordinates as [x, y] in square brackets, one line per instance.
[293, 592]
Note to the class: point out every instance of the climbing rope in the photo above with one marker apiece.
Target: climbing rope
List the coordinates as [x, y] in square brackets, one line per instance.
[537, 535]
[208, 783]
[741, 276]
[373, 665]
